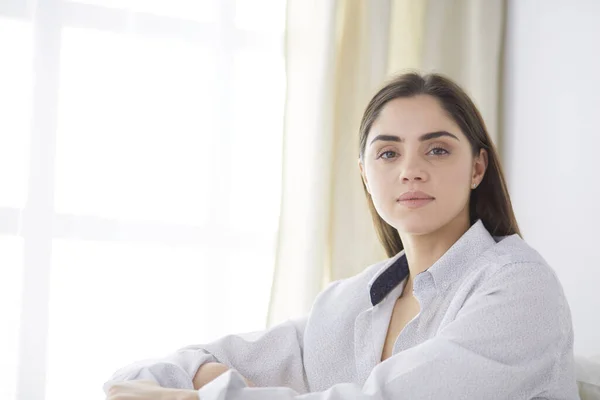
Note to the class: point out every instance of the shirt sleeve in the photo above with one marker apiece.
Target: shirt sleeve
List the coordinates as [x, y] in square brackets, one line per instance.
[512, 340]
[273, 357]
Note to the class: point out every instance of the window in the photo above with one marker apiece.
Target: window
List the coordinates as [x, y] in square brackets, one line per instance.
[140, 154]
[11, 250]
[15, 109]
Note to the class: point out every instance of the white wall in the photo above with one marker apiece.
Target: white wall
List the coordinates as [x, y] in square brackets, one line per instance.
[552, 145]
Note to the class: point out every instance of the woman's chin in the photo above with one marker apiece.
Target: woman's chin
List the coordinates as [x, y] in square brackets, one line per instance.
[415, 224]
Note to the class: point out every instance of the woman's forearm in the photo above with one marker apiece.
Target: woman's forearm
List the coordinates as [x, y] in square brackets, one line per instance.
[210, 371]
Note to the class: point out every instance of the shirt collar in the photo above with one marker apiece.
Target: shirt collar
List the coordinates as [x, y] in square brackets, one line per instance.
[391, 274]
[453, 264]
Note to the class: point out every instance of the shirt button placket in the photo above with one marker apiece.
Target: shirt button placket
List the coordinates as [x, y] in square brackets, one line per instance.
[423, 291]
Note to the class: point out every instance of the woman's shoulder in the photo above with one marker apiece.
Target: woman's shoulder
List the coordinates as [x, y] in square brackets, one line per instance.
[512, 259]
[513, 249]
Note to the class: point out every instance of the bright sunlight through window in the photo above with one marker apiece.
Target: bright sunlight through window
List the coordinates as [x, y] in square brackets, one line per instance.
[140, 169]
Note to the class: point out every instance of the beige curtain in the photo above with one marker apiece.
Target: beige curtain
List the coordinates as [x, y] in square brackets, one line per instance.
[337, 54]
[464, 40]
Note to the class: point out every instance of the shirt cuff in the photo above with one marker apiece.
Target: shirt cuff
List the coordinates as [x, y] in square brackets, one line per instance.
[223, 386]
[166, 374]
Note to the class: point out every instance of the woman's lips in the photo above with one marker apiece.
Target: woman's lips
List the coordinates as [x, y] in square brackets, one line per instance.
[415, 203]
[415, 199]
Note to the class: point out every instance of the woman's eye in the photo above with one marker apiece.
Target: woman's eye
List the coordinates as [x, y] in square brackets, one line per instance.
[387, 154]
[438, 151]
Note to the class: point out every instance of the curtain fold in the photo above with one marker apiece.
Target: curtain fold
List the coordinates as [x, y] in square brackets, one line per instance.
[464, 39]
[338, 53]
[302, 243]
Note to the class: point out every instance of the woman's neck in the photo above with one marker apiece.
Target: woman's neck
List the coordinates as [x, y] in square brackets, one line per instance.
[422, 251]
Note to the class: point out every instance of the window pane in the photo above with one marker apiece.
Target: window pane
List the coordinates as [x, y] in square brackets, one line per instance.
[114, 303]
[198, 10]
[11, 260]
[260, 15]
[15, 109]
[136, 127]
[249, 293]
[259, 97]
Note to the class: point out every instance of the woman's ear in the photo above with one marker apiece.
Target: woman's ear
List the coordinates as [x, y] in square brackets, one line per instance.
[480, 164]
[363, 175]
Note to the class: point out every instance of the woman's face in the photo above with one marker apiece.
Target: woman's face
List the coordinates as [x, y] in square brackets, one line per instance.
[419, 167]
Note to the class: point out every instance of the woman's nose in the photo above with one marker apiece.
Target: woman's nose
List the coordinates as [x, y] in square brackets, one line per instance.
[408, 178]
[412, 170]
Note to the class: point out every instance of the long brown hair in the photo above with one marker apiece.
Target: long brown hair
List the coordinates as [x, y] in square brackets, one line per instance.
[490, 201]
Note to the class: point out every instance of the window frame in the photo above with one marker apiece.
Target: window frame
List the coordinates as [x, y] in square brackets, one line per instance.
[36, 222]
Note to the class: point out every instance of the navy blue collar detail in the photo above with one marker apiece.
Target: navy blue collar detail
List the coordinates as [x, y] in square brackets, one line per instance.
[389, 279]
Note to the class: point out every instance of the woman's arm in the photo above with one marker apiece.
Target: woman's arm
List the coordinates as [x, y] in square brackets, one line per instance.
[511, 340]
[209, 372]
[268, 358]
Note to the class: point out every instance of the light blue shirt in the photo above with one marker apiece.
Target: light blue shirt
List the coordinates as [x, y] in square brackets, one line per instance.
[493, 324]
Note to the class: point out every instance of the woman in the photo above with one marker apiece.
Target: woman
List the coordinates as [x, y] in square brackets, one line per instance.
[462, 309]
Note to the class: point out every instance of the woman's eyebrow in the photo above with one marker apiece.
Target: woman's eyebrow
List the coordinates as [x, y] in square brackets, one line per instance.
[435, 135]
[422, 138]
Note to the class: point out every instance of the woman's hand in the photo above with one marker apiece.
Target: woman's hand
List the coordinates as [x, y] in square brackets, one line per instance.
[210, 371]
[147, 390]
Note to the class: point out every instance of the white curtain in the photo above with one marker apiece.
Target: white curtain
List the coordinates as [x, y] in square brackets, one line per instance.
[335, 54]
[338, 53]
[140, 181]
[464, 39]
